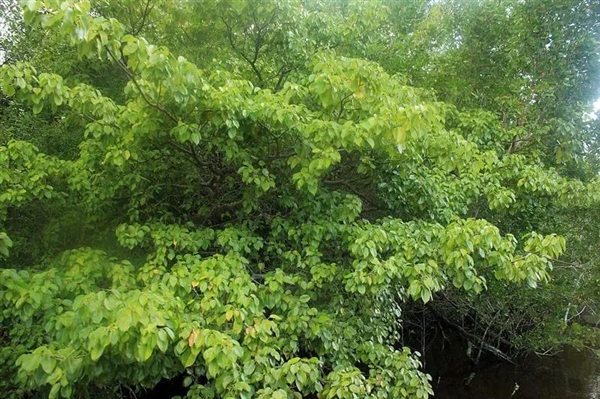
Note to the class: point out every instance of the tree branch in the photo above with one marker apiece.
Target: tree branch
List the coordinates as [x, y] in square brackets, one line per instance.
[145, 14]
[131, 75]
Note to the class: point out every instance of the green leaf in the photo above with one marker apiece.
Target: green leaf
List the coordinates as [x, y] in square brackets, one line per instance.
[37, 108]
[249, 368]
[279, 394]
[48, 364]
[163, 340]
[130, 48]
[188, 357]
[96, 352]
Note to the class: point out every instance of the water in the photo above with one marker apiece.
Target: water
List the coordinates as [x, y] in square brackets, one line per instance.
[569, 374]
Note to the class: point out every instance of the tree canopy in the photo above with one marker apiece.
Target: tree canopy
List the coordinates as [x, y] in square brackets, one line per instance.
[250, 193]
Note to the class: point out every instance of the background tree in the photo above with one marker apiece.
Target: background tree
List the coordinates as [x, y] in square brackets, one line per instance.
[253, 206]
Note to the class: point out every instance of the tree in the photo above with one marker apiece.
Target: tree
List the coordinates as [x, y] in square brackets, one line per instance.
[254, 219]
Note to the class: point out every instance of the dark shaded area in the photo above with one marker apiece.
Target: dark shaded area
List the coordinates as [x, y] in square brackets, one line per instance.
[166, 389]
[570, 374]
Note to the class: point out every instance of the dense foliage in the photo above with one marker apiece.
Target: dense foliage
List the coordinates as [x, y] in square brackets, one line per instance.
[252, 194]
